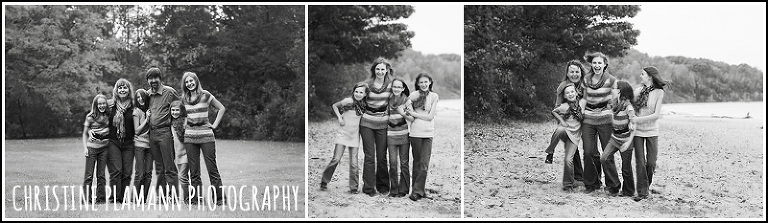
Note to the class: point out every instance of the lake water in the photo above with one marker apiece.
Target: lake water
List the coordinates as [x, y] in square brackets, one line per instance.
[719, 109]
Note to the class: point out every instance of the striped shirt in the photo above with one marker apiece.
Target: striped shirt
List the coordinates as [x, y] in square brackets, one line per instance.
[397, 123]
[197, 129]
[375, 116]
[648, 128]
[621, 124]
[141, 139]
[100, 129]
[598, 111]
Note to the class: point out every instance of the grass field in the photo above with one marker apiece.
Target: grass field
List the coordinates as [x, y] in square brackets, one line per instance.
[443, 180]
[241, 163]
[707, 168]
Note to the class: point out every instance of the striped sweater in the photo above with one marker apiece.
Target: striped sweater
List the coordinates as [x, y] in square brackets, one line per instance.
[621, 123]
[375, 116]
[398, 127]
[197, 129]
[598, 96]
[100, 128]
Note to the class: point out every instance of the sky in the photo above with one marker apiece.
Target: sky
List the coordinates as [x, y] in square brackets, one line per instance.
[728, 32]
[439, 29]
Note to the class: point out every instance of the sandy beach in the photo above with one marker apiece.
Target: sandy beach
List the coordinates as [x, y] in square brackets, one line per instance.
[707, 168]
[443, 180]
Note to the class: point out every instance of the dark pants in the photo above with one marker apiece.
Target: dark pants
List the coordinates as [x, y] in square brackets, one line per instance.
[161, 145]
[592, 167]
[645, 162]
[557, 136]
[354, 172]
[571, 151]
[399, 157]
[97, 158]
[422, 152]
[143, 178]
[375, 171]
[611, 175]
[120, 166]
[209, 155]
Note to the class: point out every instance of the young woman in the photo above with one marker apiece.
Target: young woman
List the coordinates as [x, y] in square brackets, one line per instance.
[121, 134]
[422, 132]
[574, 72]
[142, 154]
[646, 141]
[570, 115]
[623, 112]
[373, 128]
[97, 126]
[598, 87]
[198, 134]
[348, 110]
[397, 139]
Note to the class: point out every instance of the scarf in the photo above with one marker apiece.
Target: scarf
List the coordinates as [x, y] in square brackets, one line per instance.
[642, 100]
[119, 119]
[621, 105]
[422, 100]
[599, 84]
[574, 110]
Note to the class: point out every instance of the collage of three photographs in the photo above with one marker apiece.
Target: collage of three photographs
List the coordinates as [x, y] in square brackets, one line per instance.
[447, 111]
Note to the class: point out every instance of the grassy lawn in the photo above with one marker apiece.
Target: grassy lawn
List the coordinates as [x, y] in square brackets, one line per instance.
[707, 168]
[241, 163]
[443, 180]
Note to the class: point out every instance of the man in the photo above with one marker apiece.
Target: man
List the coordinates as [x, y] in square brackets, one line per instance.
[160, 137]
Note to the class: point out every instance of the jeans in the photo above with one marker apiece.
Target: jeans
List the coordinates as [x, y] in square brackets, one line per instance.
[399, 157]
[209, 155]
[161, 146]
[375, 171]
[645, 162]
[97, 157]
[611, 175]
[120, 165]
[571, 151]
[422, 152]
[354, 172]
[143, 178]
[578, 170]
[184, 181]
[592, 165]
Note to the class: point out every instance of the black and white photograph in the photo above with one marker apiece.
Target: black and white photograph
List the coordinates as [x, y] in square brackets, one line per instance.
[153, 111]
[614, 111]
[384, 109]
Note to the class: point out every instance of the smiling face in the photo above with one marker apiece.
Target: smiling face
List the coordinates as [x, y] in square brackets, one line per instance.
[380, 70]
[101, 104]
[359, 93]
[424, 83]
[175, 112]
[154, 83]
[570, 93]
[574, 74]
[122, 91]
[139, 99]
[645, 78]
[397, 87]
[190, 84]
[598, 64]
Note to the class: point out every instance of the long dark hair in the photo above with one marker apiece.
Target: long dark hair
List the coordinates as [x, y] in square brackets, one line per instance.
[406, 91]
[658, 82]
[625, 91]
[178, 123]
[416, 83]
[141, 93]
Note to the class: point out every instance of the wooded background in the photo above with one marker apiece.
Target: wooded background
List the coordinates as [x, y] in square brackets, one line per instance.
[344, 41]
[514, 58]
[250, 57]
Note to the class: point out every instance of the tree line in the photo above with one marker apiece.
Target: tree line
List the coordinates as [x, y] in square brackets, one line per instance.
[251, 57]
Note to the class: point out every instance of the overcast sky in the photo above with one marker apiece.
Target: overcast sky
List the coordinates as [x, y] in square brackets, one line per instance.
[439, 28]
[727, 32]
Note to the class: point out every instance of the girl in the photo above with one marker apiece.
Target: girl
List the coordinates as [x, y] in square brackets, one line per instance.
[598, 86]
[347, 136]
[623, 112]
[178, 117]
[121, 134]
[142, 154]
[397, 138]
[422, 132]
[198, 134]
[648, 105]
[574, 75]
[95, 148]
[570, 115]
[373, 128]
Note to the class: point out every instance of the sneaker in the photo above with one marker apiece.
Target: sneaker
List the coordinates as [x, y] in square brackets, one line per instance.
[549, 158]
[415, 197]
[353, 191]
[640, 198]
